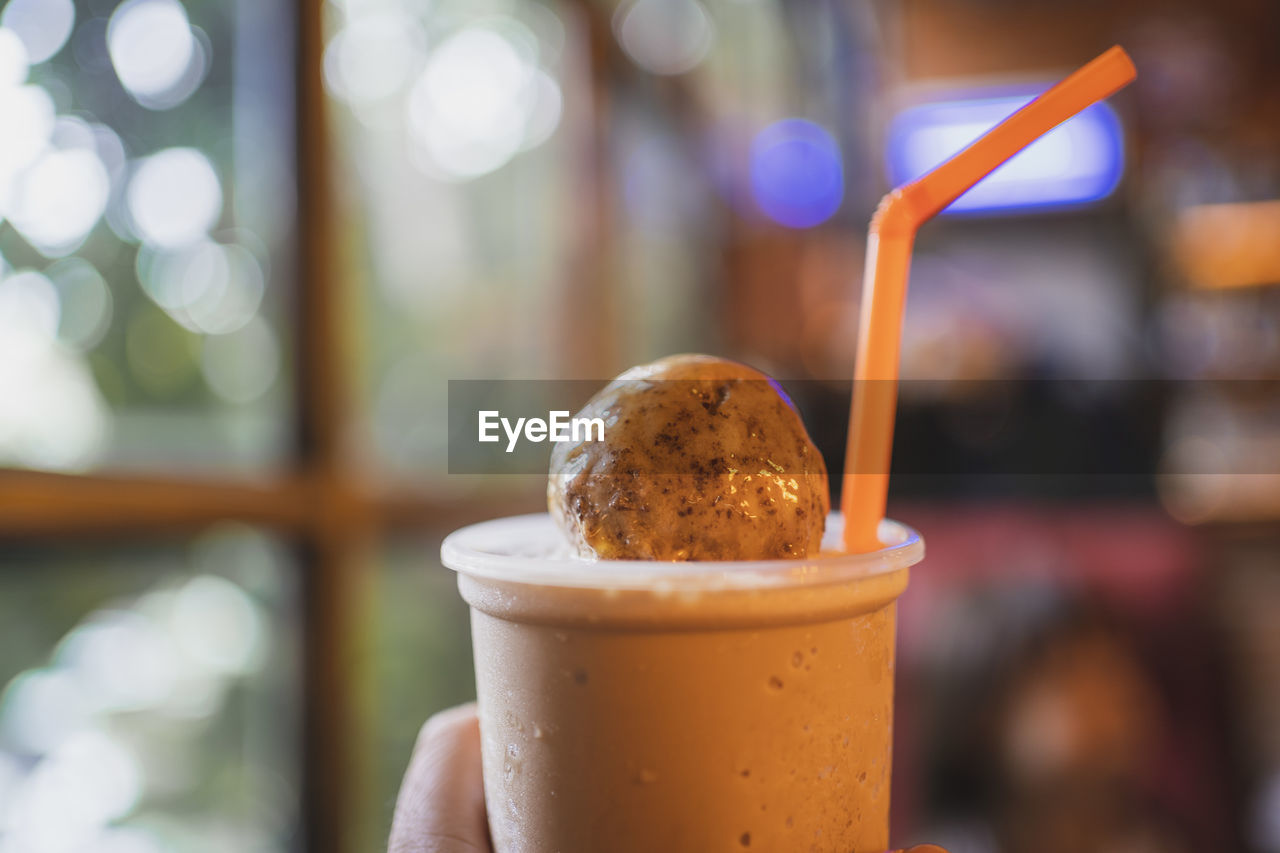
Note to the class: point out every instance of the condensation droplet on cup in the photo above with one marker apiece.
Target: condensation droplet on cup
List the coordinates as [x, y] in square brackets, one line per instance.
[514, 722]
[513, 764]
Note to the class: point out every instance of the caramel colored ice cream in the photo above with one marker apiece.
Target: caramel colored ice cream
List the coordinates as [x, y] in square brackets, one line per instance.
[702, 459]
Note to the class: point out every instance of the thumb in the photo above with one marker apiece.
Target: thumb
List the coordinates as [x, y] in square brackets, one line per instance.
[440, 808]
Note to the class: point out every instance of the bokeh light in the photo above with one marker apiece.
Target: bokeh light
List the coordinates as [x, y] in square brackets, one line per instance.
[193, 694]
[40, 709]
[156, 55]
[1227, 245]
[29, 119]
[121, 660]
[11, 775]
[197, 695]
[43, 25]
[89, 46]
[62, 174]
[13, 59]
[102, 773]
[1078, 162]
[85, 302]
[480, 100]
[110, 150]
[207, 287]
[58, 200]
[174, 197]
[797, 176]
[372, 57]
[86, 782]
[544, 116]
[30, 301]
[241, 366]
[218, 626]
[55, 417]
[664, 36]
[70, 131]
[113, 744]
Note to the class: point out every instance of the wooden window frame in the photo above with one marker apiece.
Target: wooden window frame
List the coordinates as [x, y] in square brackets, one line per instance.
[321, 499]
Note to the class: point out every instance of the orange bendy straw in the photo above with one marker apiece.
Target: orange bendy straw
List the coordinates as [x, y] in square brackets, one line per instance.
[893, 230]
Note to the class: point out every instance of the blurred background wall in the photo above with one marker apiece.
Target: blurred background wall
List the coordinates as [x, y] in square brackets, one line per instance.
[245, 244]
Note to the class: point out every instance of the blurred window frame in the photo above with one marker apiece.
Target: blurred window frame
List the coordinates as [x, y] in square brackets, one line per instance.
[322, 500]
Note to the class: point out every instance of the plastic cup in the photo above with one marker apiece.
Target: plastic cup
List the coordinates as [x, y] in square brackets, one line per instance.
[637, 706]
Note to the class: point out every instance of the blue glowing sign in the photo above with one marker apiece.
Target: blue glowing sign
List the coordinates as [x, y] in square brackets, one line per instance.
[797, 178]
[1076, 163]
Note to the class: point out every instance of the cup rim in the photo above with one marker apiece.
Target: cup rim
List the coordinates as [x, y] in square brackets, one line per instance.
[529, 549]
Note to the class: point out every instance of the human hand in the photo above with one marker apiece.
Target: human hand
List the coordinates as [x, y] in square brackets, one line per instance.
[441, 804]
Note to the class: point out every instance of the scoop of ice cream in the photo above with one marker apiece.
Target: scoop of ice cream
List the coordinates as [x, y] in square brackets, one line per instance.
[702, 459]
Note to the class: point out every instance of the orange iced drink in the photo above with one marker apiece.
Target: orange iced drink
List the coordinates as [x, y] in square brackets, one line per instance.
[682, 706]
[685, 692]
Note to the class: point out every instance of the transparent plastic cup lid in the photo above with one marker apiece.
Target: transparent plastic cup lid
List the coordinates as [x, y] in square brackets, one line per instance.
[530, 549]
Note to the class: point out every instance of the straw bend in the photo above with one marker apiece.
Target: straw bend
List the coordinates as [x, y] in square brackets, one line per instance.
[901, 212]
[893, 229]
